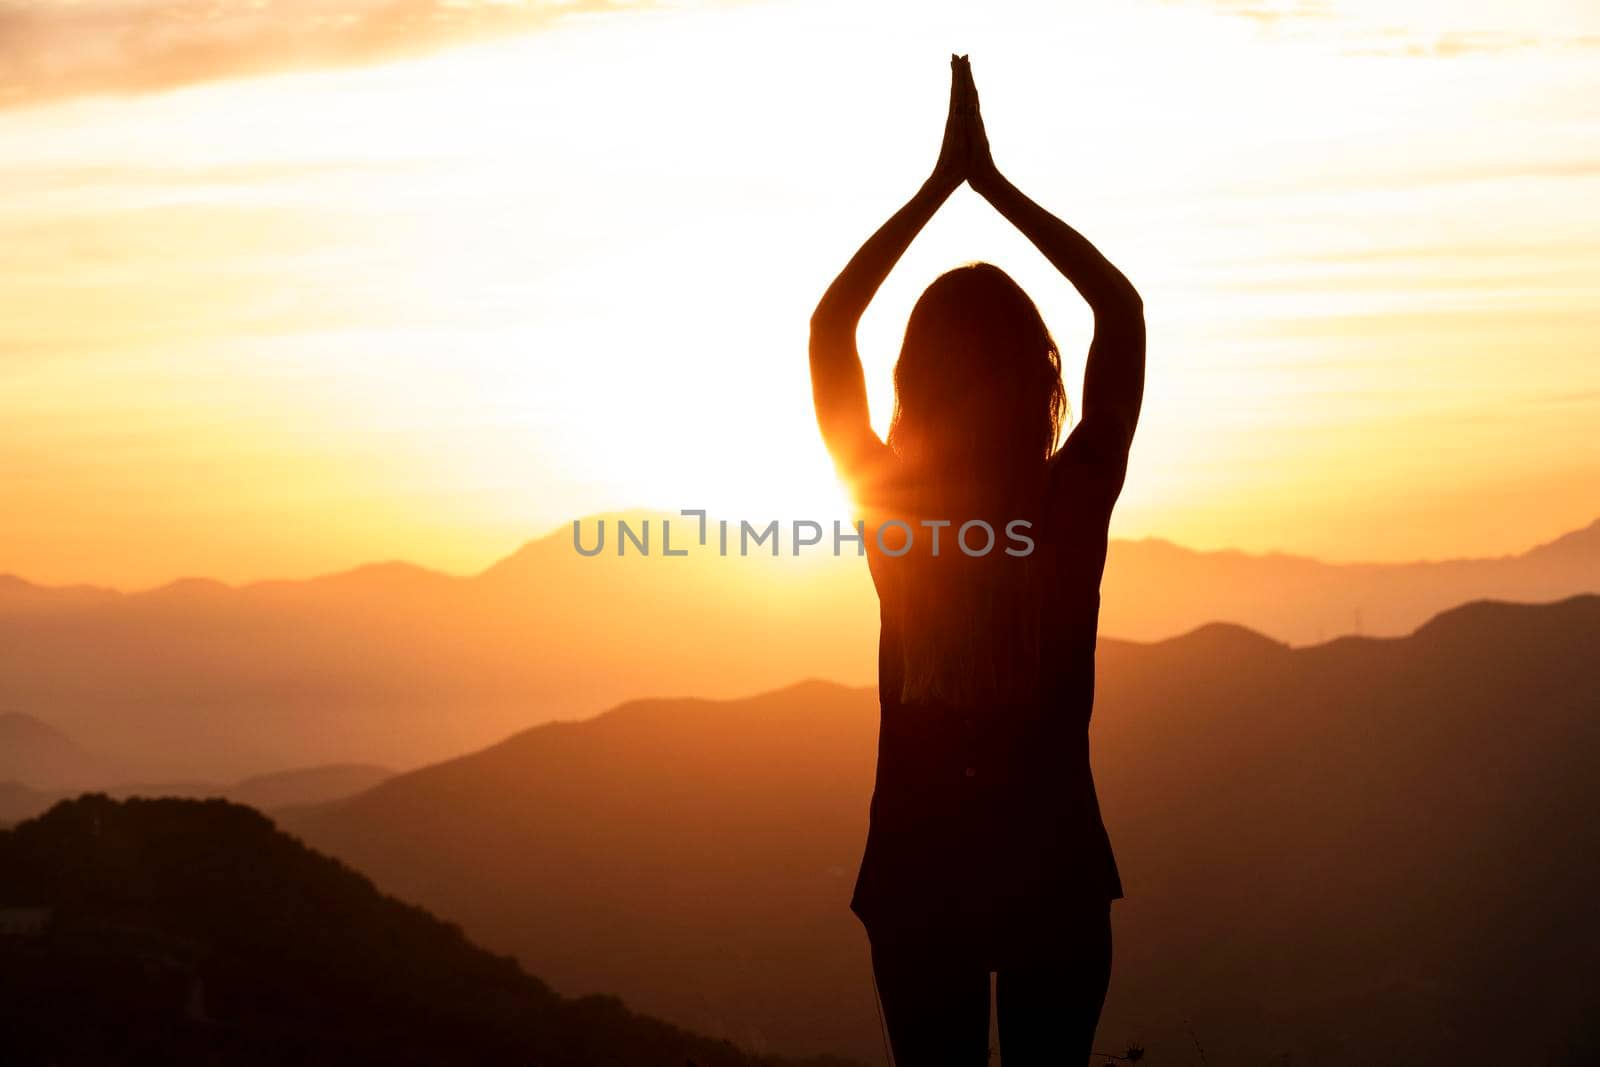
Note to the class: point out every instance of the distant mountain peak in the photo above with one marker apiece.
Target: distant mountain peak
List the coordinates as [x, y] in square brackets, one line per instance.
[1224, 638]
[559, 540]
[193, 586]
[19, 726]
[1582, 542]
[388, 574]
[38, 755]
[1503, 616]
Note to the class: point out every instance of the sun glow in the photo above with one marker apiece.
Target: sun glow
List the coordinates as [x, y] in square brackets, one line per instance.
[429, 308]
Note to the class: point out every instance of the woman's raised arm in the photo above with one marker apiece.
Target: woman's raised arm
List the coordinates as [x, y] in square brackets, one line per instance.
[838, 386]
[1113, 380]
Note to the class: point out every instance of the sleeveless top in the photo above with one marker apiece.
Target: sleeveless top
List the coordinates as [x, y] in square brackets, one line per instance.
[984, 826]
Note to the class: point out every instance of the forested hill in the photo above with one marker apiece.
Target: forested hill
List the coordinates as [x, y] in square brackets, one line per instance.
[187, 932]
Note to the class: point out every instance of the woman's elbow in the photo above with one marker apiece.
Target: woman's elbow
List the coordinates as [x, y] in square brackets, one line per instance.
[830, 327]
[1117, 303]
[1122, 316]
[1128, 304]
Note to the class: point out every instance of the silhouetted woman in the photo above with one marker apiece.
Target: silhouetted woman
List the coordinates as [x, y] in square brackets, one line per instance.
[986, 851]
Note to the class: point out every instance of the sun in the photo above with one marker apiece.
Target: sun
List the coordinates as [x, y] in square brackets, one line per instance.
[785, 476]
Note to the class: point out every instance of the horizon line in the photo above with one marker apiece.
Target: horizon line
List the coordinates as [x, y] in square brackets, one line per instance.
[9, 577]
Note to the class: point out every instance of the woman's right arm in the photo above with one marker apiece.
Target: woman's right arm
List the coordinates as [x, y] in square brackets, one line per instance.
[1113, 378]
[1113, 381]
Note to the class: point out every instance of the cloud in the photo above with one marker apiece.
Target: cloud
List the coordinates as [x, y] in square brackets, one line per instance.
[1275, 14]
[1453, 44]
[1411, 29]
[72, 47]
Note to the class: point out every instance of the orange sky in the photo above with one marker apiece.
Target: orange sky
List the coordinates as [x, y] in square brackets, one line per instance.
[426, 290]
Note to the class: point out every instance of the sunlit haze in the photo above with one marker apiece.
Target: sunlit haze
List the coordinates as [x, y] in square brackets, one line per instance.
[427, 303]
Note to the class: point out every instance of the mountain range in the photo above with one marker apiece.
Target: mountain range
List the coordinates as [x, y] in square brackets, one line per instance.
[1372, 850]
[400, 666]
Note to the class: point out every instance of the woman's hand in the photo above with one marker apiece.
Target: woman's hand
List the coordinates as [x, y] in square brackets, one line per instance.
[950, 170]
[964, 156]
[981, 172]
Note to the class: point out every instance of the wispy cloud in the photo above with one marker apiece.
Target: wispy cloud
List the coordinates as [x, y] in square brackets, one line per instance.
[1409, 29]
[72, 47]
[1275, 14]
[1449, 45]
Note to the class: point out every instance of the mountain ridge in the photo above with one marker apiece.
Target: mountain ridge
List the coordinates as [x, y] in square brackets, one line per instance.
[196, 932]
[268, 792]
[397, 665]
[1369, 801]
[1582, 538]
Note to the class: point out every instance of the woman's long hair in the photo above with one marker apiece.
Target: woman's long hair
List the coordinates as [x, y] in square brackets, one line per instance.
[979, 409]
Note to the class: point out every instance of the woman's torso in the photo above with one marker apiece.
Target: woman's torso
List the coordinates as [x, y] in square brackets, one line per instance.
[984, 819]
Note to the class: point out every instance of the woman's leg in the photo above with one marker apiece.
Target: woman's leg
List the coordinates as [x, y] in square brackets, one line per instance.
[935, 1005]
[1049, 1005]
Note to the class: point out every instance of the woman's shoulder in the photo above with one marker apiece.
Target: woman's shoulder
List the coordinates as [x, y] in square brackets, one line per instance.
[1085, 479]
